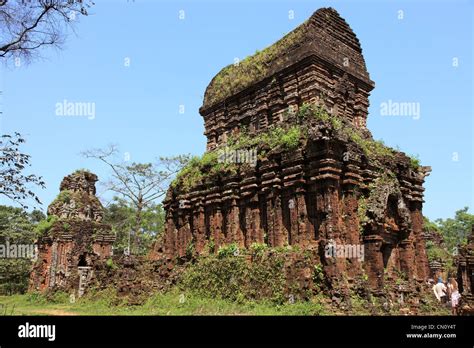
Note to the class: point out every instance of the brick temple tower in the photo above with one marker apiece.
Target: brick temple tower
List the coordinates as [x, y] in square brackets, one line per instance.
[319, 61]
[74, 237]
[337, 185]
[465, 276]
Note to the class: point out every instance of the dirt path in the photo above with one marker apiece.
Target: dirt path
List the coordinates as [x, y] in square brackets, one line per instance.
[53, 312]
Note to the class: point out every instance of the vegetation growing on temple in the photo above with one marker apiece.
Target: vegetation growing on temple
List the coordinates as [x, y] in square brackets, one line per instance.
[45, 225]
[210, 165]
[236, 77]
[284, 137]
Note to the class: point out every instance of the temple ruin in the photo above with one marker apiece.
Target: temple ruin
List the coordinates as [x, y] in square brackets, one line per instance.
[289, 165]
[465, 276]
[75, 240]
[333, 185]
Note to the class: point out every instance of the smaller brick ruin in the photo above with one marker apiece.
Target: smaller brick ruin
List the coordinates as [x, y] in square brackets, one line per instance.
[76, 240]
[465, 262]
[437, 268]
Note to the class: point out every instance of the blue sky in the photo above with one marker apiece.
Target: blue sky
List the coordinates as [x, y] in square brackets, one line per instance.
[172, 60]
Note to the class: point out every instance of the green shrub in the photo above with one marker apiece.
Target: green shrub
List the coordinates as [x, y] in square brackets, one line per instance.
[63, 197]
[414, 162]
[198, 168]
[57, 297]
[236, 279]
[228, 250]
[373, 149]
[43, 227]
[190, 250]
[362, 212]
[287, 137]
[318, 271]
[290, 139]
[36, 297]
[258, 249]
[107, 297]
[435, 253]
[212, 245]
[111, 264]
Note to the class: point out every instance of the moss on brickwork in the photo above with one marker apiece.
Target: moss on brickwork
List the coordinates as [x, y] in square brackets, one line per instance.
[240, 75]
[284, 137]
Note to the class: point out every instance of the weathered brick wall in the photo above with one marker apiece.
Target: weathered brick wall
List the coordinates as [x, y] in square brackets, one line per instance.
[323, 64]
[77, 238]
[312, 195]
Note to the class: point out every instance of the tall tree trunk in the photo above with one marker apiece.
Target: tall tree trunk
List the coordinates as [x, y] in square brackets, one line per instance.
[138, 223]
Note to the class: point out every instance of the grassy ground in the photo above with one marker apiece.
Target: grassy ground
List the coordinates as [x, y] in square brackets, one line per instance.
[177, 303]
[170, 303]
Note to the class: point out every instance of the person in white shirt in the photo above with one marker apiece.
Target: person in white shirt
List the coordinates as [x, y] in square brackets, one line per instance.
[440, 290]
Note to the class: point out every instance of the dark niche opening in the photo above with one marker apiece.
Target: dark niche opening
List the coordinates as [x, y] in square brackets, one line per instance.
[386, 252]
[82, 261]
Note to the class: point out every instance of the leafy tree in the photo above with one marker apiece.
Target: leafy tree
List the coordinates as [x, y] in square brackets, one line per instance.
[140, 184]
[27, 25]
[121, 216]
[37, 216]
[455, 231]
[14, 184]
[452, 232]
[16, 227]
[430, 225]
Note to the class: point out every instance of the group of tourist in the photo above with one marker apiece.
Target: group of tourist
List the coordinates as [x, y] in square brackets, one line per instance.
[448, 293]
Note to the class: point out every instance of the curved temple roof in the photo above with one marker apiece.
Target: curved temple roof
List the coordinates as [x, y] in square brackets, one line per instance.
[325, 35]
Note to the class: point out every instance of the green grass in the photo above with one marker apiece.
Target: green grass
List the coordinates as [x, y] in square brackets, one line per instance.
[29, 304]
[64, 197]
[200, 168]
[373, 149]
[176, 303]
[414, 162]
[209, 166]
[173, 302]
[236, 77]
